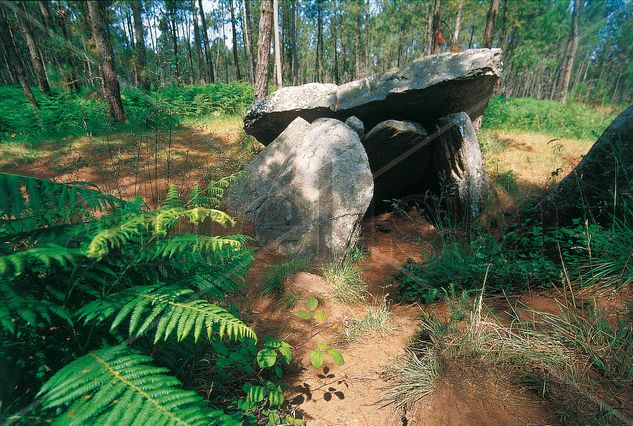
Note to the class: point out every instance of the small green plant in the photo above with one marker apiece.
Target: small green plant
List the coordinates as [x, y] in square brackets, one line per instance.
[317, 355]
[412, 377]
[274, 278]
[377, 319]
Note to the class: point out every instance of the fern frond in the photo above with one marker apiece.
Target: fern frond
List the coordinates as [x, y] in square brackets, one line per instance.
[192, 243]
[156, 223]
[47, 256]
[25, 194]
[14, 307]
[117, 385]
[173, 197]
[168, 309]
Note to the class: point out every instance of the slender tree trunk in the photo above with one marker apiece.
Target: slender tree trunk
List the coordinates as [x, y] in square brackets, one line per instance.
[570, 53]
[491, 19]
[186, 27]
[335, 41]
[246, 32]
[14, 62]
[367, 63]
[263, 49]
[319, 46]
[173, 34]
[458, 25]
[248, 19]
[110, 82]
[236, 57]
[278, 70]
[139, 34]
[226, 63]
[435, 28]
[357, 47]
[62, 15]
[294, 8]
[36, 58]
[205, 38]
[196, 40]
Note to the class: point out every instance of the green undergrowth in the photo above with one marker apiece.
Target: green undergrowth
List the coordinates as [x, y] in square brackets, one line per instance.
[86, 113]
[568, 120]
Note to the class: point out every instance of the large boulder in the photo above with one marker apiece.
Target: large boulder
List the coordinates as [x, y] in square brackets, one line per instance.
[423, 92]
[601, 185]
[312, 203]
[398, 158]
[245, 195]
[460, 169]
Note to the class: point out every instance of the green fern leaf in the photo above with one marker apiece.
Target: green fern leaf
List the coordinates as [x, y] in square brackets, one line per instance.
[173, 309]
[116, 385]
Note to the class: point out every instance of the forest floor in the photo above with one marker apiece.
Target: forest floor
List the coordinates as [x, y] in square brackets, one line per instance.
[521, 166]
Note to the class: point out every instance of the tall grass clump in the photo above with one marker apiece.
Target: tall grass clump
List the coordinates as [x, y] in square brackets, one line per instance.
[346, 283]
[377, 319]
[569, 120]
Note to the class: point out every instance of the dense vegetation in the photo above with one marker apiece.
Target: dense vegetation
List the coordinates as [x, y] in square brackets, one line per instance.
[98, 291]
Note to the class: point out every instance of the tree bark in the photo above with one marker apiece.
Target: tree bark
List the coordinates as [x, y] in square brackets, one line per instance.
[564, 77]
[458, 26]
[248, 43]
[319, 46]
[173, 34]
[205, 38]
[278, 70]
[137, 7]
[335, 46]
[110, 84]
[491, 19]
[294, 8]
[236, 57]
[263, 49]
[37, 63]
[13, 61]
[196, 41]
[435, 29]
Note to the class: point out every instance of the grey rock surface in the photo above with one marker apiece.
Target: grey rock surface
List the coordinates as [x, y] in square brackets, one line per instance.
[398, 170]
[260, 173]
[312, 203]
[460, 167]
[423, 92]
[356, 125]
[603, 175]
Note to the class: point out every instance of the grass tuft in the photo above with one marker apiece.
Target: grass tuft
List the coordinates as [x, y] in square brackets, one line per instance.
[412, 377]
[347, 285]
[273, 282]
[377, 319]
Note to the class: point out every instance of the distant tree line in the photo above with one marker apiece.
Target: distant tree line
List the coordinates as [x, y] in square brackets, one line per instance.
[554, 49]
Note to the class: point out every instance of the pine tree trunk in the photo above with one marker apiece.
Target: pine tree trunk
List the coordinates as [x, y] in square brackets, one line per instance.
[236, 57]
[246, 31]
[62, 15]
[335, 41]
[171, 6]
[319, 46]
[278, 70]
[491, 19]
[458, 26]
[357, 47]
[13, 60]
[37, 63]
[196, 41]
[263, 49]
[570, 53]
[110, 83]
[137, 7]
[435, 28]
[294, 9]
[205, 38]
[367, 64]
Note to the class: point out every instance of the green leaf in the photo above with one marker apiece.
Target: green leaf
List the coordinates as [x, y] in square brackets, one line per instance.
[266, 358]
[286, 351]
[320, 316]
[304, 315]
[316, 358]
[312, 303]
[254, 393]
[323, 346]
[276, 398]
[337, 357]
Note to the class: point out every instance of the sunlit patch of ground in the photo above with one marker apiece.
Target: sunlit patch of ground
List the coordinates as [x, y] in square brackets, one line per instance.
[128, 164]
